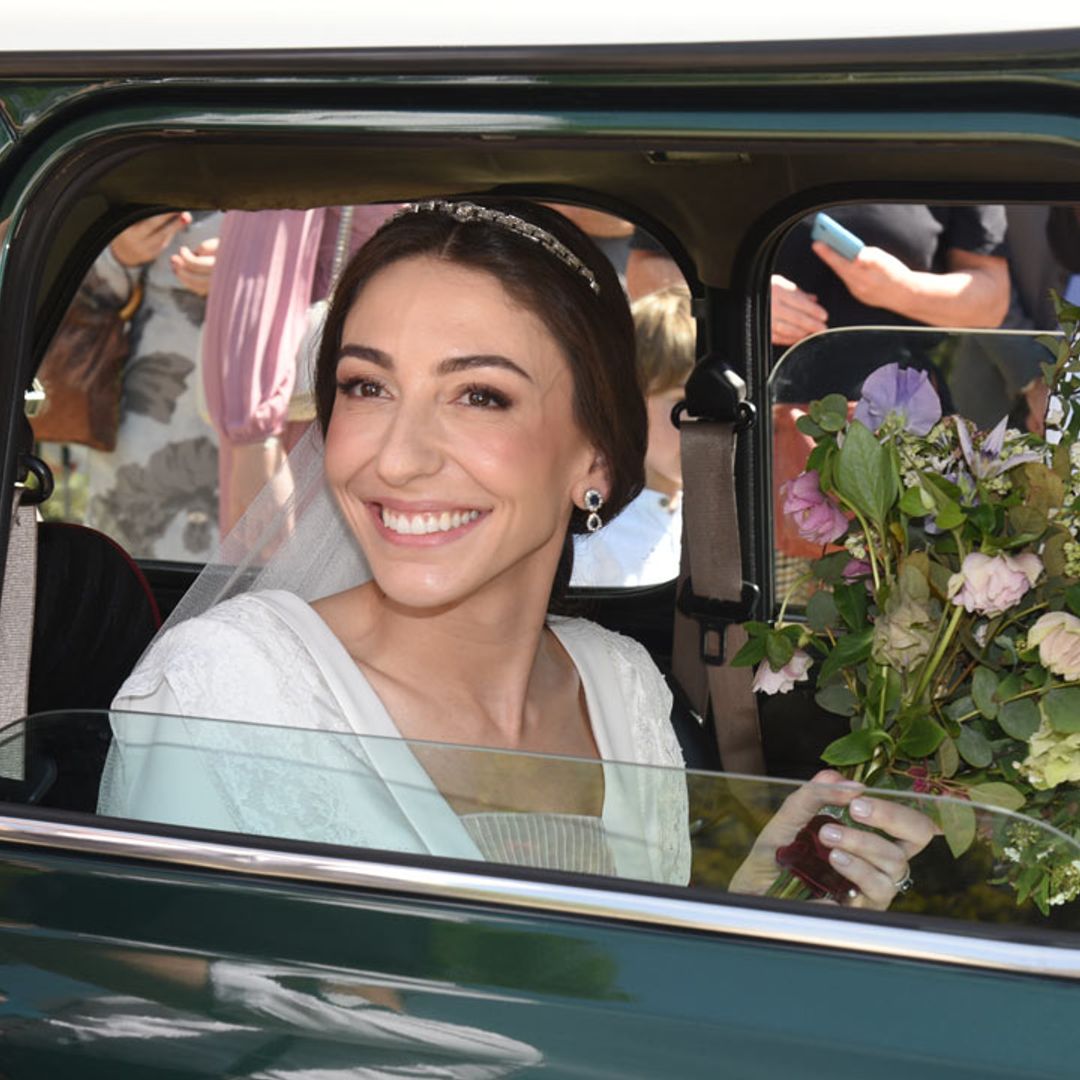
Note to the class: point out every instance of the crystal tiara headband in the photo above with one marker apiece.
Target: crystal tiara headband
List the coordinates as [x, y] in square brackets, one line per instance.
[467, 211]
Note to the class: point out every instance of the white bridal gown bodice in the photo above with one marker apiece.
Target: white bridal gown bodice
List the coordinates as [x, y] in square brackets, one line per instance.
[326, 763]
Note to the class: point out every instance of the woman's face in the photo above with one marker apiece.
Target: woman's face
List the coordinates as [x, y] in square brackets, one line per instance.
[452, 446]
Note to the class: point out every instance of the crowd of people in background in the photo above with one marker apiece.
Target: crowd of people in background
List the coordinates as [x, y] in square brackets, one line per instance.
[216, 387]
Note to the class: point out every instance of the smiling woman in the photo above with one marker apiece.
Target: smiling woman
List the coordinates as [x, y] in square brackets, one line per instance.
[477, 393]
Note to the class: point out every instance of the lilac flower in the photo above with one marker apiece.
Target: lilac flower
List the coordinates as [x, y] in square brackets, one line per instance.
[816, 516]
[904, 391]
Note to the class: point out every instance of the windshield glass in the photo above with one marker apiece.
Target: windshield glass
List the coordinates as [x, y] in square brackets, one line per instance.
[694, 830]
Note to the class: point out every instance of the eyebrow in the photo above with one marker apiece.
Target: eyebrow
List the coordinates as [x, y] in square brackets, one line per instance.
[450, 366]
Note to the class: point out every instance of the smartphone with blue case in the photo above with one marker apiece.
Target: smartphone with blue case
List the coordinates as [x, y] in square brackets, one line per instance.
[836, 236]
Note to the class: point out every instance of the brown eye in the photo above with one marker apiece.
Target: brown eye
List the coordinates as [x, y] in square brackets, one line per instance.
[485, 397]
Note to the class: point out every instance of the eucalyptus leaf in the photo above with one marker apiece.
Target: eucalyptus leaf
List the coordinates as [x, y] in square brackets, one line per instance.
[1019, 719]
[808, 427]
[960, 707]
[974, 747]
[1061, 708]
[948, 758]
[831, 412]
[997, 793]
[984, 683]
[958, 825]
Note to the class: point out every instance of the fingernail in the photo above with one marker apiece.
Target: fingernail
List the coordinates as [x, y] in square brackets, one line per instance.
[839, 858]
[861, 808]
[831, 834]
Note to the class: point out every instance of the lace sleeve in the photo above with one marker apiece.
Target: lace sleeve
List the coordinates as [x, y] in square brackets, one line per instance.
[664, 789]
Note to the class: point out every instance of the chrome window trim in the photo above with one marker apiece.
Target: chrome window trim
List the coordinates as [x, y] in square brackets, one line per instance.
[788, 928]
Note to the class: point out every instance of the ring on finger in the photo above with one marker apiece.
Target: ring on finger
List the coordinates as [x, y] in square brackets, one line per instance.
[905, 883]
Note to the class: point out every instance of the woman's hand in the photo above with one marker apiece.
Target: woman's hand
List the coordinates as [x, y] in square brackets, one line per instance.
[875, 866]
[194, 268]
[794, 314]
[144, 241]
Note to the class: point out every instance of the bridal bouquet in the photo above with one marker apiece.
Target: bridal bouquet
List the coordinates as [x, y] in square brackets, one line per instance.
[945, 619]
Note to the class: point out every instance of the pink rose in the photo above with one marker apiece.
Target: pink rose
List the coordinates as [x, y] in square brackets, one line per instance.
[780, 682]
[816, 516]
[991, 584]
[1057, 634]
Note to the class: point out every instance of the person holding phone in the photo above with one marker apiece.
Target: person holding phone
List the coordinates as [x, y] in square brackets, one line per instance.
[928, 265]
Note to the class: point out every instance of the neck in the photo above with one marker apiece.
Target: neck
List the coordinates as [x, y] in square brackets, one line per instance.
[469, 671]
[664, 484]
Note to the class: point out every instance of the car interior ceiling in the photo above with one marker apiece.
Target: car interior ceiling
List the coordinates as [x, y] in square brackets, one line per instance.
[718, 205]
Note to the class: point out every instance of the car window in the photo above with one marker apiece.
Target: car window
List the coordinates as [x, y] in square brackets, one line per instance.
[611, 820]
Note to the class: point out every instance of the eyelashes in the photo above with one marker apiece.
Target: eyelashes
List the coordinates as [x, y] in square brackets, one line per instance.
[475, 395]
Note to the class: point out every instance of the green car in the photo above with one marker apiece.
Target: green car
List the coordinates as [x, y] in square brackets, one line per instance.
[132, 947]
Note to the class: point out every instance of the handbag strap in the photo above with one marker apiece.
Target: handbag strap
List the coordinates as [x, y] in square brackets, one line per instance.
[713, 597]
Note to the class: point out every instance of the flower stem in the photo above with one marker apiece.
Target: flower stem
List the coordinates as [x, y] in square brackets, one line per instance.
[927, 674]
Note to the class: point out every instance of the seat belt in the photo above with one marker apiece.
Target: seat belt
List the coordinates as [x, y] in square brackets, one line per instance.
[712, 596]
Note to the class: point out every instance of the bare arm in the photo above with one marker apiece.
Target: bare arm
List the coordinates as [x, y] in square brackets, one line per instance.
[973, 291]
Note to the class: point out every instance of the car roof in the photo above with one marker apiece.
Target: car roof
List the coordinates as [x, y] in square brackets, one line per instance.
[120, 25]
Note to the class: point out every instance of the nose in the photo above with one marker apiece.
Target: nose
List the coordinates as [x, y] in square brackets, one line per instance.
[411, 445]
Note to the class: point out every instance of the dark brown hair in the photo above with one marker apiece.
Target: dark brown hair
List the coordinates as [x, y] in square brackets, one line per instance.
[594, 329]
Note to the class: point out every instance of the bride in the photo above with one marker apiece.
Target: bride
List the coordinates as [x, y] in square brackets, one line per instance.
[478, 406]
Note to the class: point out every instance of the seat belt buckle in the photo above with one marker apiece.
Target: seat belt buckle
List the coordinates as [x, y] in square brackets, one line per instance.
[715, 616]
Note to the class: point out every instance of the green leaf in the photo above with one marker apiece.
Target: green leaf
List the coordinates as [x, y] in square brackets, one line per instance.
[850, 601]
[958, 824]
[1062, 709]
[778, 649]
[983, 685]
[948, 514]
[922, 738]
[830, 412]
[854, 748]
[1072, 599]
[960, 707]
[837, 698]
[821, 610]
[996, 793]
[808, 427]
[830, 568]
[753, 652]
[1019, 719]
[974, 747]
[948, 758]
[864, 473]
[916, 503]
[851, 649]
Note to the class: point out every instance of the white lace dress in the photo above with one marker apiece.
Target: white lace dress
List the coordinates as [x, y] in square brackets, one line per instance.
[326, 762]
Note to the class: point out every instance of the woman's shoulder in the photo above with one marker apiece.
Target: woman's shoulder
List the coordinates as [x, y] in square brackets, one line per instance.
[623, 671]
[224, 661]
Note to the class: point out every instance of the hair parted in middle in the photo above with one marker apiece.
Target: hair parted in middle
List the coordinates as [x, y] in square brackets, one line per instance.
[594, 329]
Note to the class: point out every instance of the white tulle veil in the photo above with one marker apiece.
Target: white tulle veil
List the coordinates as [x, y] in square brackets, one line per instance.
[292, 537]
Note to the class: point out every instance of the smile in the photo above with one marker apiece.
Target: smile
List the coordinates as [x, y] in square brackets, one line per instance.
[423, 524]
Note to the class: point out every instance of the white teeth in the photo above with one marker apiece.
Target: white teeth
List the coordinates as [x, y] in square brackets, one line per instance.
[421, 524]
